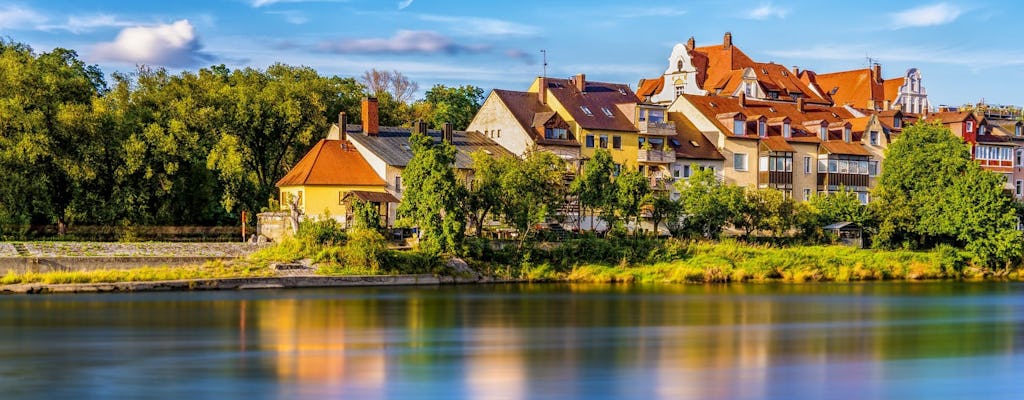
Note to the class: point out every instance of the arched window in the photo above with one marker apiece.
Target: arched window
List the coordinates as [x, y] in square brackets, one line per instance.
[679, 65]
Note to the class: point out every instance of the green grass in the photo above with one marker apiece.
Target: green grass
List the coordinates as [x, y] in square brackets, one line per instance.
[210, 270]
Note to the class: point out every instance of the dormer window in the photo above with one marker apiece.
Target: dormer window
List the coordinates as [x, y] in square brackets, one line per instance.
[897, 122]
[970, 126]
[847, 134]
[762, 129]
[1017, 131]
[823, 132]
[787, 130]
[981, 129]
[586, 110]
[739, 127]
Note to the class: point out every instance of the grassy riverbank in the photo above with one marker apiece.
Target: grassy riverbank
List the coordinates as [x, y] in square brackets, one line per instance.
[210, 270]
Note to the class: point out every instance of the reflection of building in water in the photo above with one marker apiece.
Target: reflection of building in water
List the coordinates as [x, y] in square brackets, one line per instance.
[494, 362]
[331, 348]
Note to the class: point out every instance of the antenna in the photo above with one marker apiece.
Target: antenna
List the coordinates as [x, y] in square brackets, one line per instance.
[871, 61]
[545, 53]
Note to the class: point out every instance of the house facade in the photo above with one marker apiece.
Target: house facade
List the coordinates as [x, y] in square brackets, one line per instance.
[868, 89]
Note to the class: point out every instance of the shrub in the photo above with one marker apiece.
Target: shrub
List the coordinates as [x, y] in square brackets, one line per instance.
[324, 232]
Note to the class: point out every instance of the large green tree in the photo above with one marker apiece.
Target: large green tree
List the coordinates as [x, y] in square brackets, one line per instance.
[593, 186]
[708, 203]
[531, 190]
[432, 199]
[456, 105]
[631, 189]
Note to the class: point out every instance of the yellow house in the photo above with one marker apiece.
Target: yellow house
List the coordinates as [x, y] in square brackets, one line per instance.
[327, 178]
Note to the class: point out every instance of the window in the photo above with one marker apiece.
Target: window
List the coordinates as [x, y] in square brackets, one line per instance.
[607, 112]
[398, 184]
[679, 65]
[897, 122]
[844, 167]
[641, 169]
[970, 126]
[739, 161]
[603, 141]
[863, 197]
[590, 141]
[556, 133]
[675, 173]
[762, 130]
[739, 127]
[1018, 186]
[873, 168]
[862, 167]
[679, 91]
[617, 170]
[778, 162]
[586, 110]
[499, 133]
[833, 166]
[847, 135]
[807, 165]
[873, 138]
[1017, 130]
[807, 194]
[686, 171]
[823, 132]
[616, 142]
[787, 131]
[981, 129]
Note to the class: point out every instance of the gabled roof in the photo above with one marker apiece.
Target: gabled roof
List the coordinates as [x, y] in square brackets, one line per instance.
[950, 117]
[332, 162]
[597, 97]
[721, 60]
[777, 143]
[714, 106]
[853, 87]
[891, 88]
[392, 145]
[525, 107]
[692, 143]
[841, 147]
[649, 87]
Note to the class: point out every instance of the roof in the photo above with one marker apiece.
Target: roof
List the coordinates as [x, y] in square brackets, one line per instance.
[650, 87]
[841, 225]
[332, 162]
[373, 197]
[949, 117]
[713, 106]
[841, 147]
[392, 145]
[777, 143]
[853, 87]
[596, 97]
[860, 124]
[891, 88]
[721, 59]
[525, 107]
[692, 143]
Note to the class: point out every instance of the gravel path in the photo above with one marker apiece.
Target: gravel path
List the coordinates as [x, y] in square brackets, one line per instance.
[150, 249]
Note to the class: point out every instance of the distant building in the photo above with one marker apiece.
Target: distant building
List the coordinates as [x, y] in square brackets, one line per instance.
[866, 88]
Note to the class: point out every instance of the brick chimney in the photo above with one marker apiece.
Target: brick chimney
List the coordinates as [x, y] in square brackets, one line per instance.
[342, 126]
[800, 104]
[743, 100]
[580, 81]
[691, 44]
[371, 121]
[727, 40]
[542, 91]
[447, 133]
[796, 70]
[876, 72]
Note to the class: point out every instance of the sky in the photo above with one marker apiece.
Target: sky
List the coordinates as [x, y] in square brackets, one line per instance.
[966, 50]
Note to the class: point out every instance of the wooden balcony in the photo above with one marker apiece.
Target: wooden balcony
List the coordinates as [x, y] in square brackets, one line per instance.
[657, 128]
[775, 179]
[656, 156]
[837, 179]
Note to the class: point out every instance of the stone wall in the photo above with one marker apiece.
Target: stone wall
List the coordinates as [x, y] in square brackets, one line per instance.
[49, 264]
[273, 225]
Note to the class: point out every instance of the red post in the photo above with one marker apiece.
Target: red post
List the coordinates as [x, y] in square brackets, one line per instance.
[245, 214]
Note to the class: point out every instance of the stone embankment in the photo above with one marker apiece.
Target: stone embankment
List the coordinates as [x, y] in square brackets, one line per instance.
[280, 282]
[76, 256]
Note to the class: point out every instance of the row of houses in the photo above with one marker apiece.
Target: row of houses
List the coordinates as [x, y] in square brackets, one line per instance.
[754, 124]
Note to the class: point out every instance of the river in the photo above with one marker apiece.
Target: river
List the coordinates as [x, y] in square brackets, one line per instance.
[807, 341]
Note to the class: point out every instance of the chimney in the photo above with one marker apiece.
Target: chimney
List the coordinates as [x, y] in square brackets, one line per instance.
[542, 92]
[371, 122]
[885, 104]
[691, 44]
[876, 72]
[727, 40]
[580, 80]
[800, 104]
[871, 105]
[342, 126]
[796, 70]
[446, 132]
[743, 100]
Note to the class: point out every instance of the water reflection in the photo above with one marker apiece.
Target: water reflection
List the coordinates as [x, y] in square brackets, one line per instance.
[521, 341]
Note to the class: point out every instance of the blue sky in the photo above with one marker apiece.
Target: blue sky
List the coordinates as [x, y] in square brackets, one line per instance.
[967, 50]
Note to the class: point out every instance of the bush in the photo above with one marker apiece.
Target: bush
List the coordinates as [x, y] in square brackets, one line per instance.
[366, 248]
[325, 232]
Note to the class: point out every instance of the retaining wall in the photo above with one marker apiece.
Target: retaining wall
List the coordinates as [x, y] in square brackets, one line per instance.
[48, 264]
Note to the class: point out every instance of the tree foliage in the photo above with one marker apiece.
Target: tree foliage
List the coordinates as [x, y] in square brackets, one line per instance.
[456, 105]
[432, 198]
[631, 189]
[593, 186]
[708, 204]
[531, 190]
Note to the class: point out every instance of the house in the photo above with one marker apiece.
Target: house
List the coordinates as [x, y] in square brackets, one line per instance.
[725, 70]
[323, 184]
[1010, 126]
[866, 88]
[993, 152]
[798, 148]
[387, 151]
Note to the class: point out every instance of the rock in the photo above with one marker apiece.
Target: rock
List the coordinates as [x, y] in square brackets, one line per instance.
[460, 268]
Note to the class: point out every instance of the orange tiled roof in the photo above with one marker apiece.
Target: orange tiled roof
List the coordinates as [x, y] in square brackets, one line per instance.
[328, 163]
[854, 87]
[721, 60]
[891, 88]
[714, 106]
[649, 87]
[841, 147]
[692, 143]
[860, 124]
[949, 117]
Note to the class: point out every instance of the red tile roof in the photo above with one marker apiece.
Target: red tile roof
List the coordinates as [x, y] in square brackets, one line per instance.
[692, 143]
[841, 147]
[596, 97]
[891, 88]
[332, 162]
[721, 60]
[525, 107]
[854, 87]
[649, 87]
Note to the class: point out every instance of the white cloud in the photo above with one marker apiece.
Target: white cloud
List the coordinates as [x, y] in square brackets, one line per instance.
[86, 23]
[935, 14]
[482, 26]
[16, 17]
[766, 11]
[404, 3]
[403, 42]
[169, 45]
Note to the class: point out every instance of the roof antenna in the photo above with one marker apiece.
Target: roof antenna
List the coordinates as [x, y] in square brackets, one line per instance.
[545, 53]
[871, 61]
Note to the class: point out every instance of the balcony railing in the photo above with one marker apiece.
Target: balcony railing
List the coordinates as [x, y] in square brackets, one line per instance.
[775, 179]
[657, 128]
[659, 182]
[656, 156]
[837, 179]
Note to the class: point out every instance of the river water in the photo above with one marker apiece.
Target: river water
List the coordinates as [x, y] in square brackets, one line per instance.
[807, 341]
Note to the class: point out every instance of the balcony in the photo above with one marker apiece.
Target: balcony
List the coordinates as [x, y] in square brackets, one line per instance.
[661, 182]
[826, 180]
[657, 128]
[775, 179]
[656, 156]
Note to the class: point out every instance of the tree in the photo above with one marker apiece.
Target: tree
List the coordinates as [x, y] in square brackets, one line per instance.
[931, 193]
[631, 189]
[593, 186]
[457, 105]
[663, 209]
[365, 215]
[531, 190]
[708, 204]
[484, 195]
[433, 199]
[395, 84]
[763, 209]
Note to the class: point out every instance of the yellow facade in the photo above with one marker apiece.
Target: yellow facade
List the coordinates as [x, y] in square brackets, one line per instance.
[316, 200]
